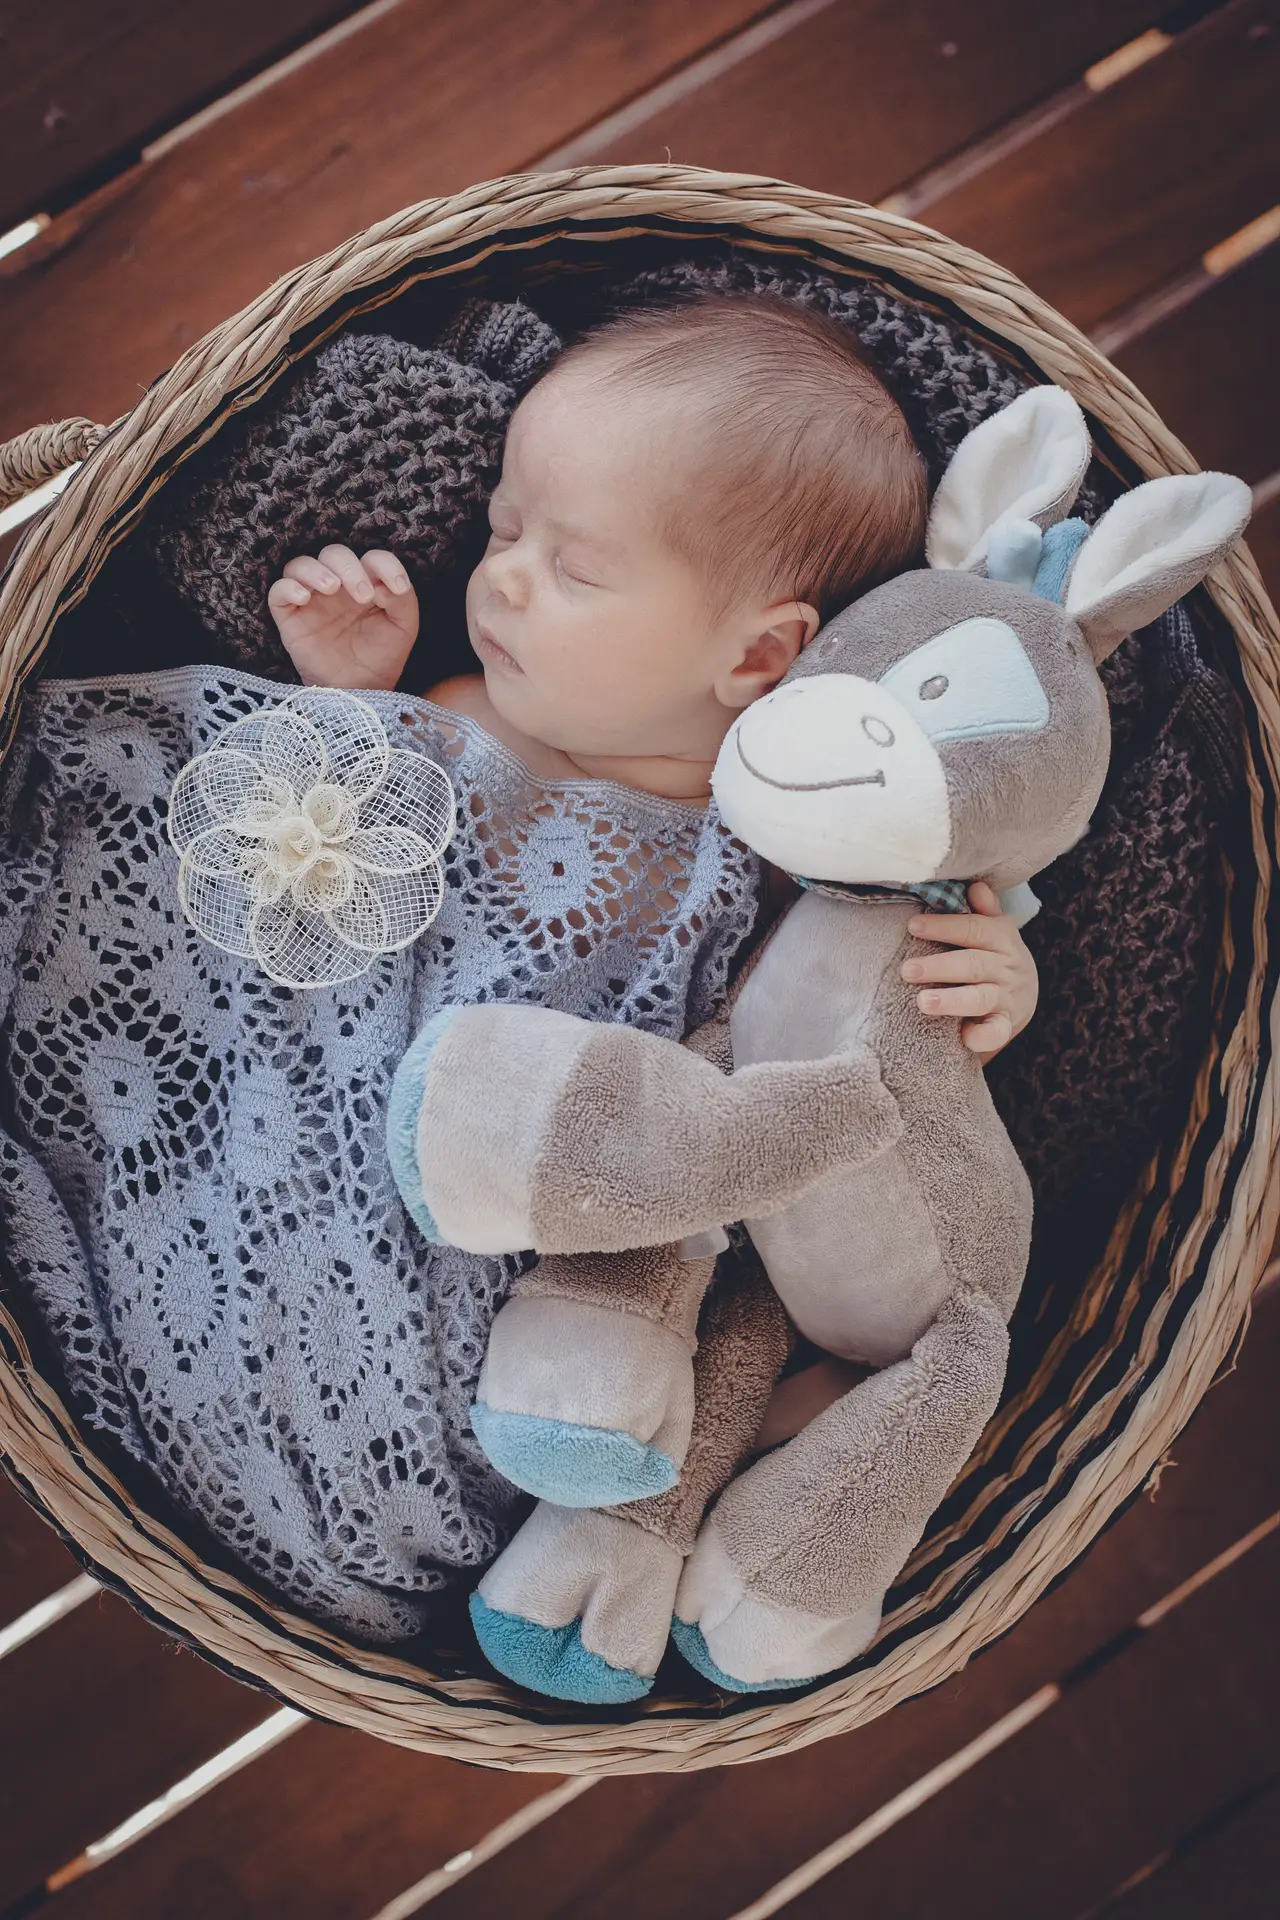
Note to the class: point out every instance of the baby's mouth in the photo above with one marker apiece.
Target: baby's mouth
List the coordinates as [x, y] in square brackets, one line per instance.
[488, 649]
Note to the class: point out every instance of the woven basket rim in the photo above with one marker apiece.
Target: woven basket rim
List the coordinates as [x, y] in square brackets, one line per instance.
[474, 1719]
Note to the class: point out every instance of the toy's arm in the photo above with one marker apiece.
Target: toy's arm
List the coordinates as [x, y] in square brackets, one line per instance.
[532, 1128]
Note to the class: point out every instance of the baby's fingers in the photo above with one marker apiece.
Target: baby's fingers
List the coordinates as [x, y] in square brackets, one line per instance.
[960, 964]
[284, 596]
[312, 574]
[992, 932]
[961, 1003]
[343, 562]
[386, 571]
[988, 1036]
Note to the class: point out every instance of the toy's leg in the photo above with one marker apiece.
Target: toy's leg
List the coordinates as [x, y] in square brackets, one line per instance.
[791, 1567]
[579, 1606]
[586, 1395]
[515, 1126]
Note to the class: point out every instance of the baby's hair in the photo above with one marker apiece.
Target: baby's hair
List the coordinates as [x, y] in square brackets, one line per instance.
[807, 482]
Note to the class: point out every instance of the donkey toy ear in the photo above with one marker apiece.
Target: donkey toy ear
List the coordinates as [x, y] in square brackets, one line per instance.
[1025, 463]
[1155, 544]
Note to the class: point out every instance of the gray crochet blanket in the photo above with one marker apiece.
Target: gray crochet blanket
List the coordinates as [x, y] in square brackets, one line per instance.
[193, 1180]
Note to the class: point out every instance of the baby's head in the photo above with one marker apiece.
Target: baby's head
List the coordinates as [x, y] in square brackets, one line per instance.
[685, 496]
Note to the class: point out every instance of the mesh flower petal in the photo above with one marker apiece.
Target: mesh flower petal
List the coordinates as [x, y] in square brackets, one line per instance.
[284, 744]
[217, 787]
[415, 793]
[355, 739]
[387, 911]
[220, 851]
[302, 949]
[389, 849]
[221, 907]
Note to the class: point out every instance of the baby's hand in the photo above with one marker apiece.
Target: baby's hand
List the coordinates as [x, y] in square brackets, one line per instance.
[346, 622]
[1000, 988]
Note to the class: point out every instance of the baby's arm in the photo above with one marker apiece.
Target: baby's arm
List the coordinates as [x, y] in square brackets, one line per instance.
[346, 621]
[989, 983]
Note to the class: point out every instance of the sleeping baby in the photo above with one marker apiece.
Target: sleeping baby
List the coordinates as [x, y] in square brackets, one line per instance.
[685, 498]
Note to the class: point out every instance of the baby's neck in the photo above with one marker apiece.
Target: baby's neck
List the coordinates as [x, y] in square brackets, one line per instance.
[667, 776]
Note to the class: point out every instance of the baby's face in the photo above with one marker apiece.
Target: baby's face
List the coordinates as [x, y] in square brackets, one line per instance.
[595, 637]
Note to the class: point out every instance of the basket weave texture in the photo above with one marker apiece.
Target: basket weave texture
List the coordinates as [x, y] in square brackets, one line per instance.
[1190, 1243]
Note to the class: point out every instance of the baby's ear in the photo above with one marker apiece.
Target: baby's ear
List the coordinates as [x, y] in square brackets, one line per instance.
[1024, 463]
[1151, 547]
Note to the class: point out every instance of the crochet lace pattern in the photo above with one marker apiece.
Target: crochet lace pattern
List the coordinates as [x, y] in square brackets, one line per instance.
[194, 1185]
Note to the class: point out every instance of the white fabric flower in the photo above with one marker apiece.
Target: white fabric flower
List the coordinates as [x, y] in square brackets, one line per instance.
[309, 844]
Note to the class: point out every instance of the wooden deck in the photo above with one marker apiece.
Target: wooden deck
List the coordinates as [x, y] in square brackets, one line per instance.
[1119, 1752]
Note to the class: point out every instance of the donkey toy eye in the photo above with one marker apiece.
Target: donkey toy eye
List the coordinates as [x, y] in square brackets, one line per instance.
[876, 730]
[933, 689]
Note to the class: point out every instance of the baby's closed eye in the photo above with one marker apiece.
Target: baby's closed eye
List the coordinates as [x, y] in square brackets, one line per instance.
[572, 575]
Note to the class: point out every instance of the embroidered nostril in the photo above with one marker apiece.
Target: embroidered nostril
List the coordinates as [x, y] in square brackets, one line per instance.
[935, 688]
[875, 729]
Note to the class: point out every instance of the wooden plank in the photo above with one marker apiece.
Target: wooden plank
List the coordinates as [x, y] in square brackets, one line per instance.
[1227, 1869]
[1186, 1719]
[100, 1714]
[1137, 182]
[83, 86]
[1209, 370]
[330, 1826]
[621, 1856]
[33, 1561]
[423, 100]
[864, 94]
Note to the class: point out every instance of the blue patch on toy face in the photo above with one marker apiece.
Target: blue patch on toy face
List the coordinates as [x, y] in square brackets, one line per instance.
[973, 679]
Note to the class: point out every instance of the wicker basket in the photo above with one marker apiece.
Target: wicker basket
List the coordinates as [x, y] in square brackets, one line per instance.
[1162, 1310]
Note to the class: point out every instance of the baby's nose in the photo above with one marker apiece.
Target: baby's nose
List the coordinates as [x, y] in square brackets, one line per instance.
[505, 576]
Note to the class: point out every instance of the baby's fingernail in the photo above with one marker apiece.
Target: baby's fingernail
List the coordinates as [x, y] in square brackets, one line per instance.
[911, 969]
[400, 583]
[330, 583]
[930, 1002]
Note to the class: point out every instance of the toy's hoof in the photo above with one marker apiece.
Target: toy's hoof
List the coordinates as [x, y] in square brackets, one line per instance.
[552, 1660]
[573, 1466]
[403, 1108]
[749, 1642]
[693, 1648]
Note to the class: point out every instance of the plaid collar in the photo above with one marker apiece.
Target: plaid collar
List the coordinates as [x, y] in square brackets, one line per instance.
[935, 896]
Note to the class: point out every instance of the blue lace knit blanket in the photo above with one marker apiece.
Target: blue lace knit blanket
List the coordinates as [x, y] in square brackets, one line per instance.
[194, 1191]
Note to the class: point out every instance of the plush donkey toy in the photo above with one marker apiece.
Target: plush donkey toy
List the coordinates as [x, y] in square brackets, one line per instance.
[949, 726]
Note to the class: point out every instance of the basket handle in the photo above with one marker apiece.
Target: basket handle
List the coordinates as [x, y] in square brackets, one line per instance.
[31, 458]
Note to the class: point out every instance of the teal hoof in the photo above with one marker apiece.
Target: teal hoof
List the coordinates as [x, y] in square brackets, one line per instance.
[403, 1108]
[552, 1660]
[693, 1647]
[569, 1465]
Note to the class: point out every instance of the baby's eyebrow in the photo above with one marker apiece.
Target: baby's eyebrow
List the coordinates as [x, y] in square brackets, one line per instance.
[586, 536]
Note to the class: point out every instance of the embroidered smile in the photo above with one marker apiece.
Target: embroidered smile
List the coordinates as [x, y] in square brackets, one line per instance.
[875, 779]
